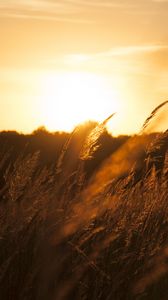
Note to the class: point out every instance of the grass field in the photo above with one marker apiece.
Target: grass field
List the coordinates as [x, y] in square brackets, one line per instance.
[84, 216]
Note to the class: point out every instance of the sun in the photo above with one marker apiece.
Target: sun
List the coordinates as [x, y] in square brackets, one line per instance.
[71, 98]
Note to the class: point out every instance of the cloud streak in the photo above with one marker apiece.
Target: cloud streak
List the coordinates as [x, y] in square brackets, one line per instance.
[46, 18]
[160, 1]
[59, 10]
[41, 4]
[40, 10]
[133, 50]
[127, 60]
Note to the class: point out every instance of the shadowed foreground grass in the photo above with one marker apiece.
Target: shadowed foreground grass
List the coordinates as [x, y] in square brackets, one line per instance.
[66, 233]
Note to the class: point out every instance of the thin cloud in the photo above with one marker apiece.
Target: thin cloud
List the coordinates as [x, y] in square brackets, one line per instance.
[54, 10]
[47, 18]
[160, 1]
[133, 50]
[105, 4]
[116, 52]
[31, 6]
[41, 4]
[41, 10]
[141, 60]
[121, 51]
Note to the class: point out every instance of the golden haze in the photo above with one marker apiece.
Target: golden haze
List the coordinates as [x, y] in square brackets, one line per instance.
[64, 62]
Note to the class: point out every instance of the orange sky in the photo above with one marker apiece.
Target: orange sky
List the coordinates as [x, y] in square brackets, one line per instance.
[120, 46]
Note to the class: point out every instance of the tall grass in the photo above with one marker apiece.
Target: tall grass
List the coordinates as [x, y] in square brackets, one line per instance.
[66, 236]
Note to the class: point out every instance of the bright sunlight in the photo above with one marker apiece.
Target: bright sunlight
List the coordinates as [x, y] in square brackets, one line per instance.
[69, 99]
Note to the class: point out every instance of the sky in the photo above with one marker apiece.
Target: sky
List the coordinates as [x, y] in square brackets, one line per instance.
[63, 62]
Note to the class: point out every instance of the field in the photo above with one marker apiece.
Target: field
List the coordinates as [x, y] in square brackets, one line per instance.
[84, 215]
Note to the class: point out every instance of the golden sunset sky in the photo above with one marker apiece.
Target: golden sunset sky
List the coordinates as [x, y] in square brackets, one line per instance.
[65, 61]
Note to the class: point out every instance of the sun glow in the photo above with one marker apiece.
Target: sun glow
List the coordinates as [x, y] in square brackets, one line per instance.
[69, 99]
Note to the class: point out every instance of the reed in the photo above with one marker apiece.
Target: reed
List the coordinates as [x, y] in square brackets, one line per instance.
[76, 237]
